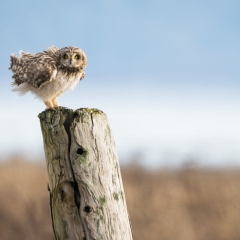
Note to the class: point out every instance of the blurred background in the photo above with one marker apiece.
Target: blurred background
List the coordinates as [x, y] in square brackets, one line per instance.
[166, 73]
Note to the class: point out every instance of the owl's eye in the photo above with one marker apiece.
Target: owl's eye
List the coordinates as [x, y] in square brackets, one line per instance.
[76, 56]
[65, 56]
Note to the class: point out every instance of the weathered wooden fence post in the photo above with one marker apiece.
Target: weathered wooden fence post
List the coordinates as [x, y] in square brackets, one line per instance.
[86, 193]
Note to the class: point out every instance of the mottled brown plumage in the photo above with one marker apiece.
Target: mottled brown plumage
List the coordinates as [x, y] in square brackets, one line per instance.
[49, 73]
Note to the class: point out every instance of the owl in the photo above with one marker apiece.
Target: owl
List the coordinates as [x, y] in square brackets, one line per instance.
[48, 74]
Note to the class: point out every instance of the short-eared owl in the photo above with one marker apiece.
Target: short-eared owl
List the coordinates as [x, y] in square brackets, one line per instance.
[48, 74]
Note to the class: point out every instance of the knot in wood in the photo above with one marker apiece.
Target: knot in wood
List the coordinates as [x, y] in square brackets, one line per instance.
[88, 209]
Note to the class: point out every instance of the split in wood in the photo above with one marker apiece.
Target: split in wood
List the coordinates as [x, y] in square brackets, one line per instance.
[85, 187]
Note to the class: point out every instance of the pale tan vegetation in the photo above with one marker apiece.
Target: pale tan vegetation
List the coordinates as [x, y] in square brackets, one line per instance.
[187, 204]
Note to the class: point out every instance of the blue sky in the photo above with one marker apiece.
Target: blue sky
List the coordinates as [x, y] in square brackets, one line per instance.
[165, 72]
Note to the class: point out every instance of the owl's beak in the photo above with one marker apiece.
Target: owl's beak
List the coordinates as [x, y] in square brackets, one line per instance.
[70, 62]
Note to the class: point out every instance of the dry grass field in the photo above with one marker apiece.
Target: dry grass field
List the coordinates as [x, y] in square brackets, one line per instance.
[187, 204]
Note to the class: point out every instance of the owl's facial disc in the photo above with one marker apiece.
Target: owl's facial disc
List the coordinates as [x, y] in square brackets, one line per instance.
[65, 59]
[75, 60]
[71, 59]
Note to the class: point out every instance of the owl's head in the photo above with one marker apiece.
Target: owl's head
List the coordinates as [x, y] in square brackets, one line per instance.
[72, 57]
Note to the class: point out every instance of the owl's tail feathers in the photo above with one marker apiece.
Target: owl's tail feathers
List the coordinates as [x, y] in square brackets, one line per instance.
[21, 89]
[15, 61]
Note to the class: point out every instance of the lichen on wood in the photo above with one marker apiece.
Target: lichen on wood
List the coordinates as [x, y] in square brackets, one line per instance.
[86, 193]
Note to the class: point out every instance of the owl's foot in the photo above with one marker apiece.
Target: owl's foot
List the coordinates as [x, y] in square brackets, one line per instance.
[49, 104]
[55, 103]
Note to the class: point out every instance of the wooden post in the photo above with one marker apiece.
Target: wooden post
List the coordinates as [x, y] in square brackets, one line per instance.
[87, 199]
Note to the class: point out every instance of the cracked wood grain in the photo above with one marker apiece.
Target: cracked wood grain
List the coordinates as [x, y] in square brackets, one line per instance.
[87, 199]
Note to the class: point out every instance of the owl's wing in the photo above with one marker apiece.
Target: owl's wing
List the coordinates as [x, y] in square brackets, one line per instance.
[41, 71]
[35, 70]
